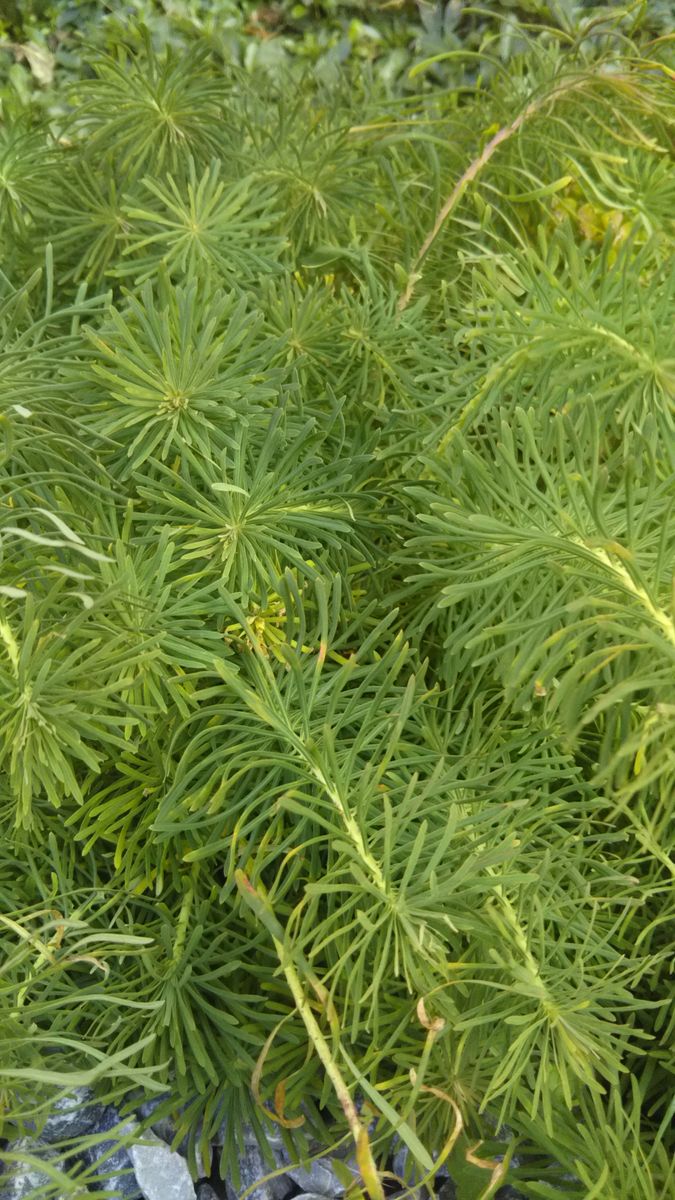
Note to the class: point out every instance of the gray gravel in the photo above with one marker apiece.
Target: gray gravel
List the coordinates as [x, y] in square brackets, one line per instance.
[24, 1180]
[311, 1196]
[150, 1170]
[162, 1174]
[73, 1116]
[319, 1178]
[206, 1192]
[252, 1167]
[113, 1168]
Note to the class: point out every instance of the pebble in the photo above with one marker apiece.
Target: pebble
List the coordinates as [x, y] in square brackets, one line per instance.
[252, 1167]
[319, 1178]
[72, 1116]
[166, 1129]
[206, 1192]
[311, 1196]
[115, 1172]
[161, 1173]
[22, 1179]
[447, 1190]
[404, 1167]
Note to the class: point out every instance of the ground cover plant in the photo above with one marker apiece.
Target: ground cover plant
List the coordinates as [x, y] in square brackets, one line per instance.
[337, 630]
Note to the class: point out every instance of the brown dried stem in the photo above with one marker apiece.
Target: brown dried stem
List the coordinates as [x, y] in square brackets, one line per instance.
[473, 170]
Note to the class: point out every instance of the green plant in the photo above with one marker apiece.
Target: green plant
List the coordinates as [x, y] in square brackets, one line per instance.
[337, 640]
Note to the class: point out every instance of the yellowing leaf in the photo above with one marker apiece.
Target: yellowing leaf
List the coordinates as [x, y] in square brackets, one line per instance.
[40, 60]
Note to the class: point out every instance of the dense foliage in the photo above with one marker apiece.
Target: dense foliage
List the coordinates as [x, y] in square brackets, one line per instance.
[337, 633]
